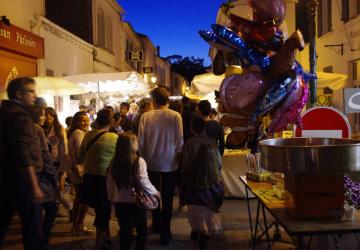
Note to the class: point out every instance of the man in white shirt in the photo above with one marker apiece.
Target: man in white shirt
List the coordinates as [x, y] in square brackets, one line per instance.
[160, 140]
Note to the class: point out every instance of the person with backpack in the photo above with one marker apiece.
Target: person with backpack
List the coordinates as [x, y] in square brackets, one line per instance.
[201, 190]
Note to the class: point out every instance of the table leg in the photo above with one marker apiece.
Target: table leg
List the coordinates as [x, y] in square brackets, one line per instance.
[300, 243]
[266, 228]
[254, 240]
[249, 212]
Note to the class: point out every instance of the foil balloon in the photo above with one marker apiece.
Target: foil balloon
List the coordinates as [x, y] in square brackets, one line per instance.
[264, 35]
[214, 41]
[283, 61]
[248, 56]
[238, 92]
[289, 110]
[268, 10]
[306, 76]
[274, 95]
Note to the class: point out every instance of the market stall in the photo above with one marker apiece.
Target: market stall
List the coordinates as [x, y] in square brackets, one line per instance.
[109, 88]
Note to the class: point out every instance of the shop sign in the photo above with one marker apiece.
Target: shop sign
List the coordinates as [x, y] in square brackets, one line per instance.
[324, 100]
[135, 55]
[148, 70]
[23, 42]
[352, 100]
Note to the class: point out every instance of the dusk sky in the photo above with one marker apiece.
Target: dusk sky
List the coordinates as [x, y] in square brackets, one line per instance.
[173, 25]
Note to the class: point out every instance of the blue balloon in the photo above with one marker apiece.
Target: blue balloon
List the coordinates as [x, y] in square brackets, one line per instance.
[274, 95]
[307, 76]
[248, 56]
[214, 41]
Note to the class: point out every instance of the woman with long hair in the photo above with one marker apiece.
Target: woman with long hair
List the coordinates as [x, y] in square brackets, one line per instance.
[96, 151]
[56, 136]
[79, 126]
[124, 168]
[48, 178]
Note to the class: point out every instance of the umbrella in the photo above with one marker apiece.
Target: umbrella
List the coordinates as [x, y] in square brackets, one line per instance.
[54, 86]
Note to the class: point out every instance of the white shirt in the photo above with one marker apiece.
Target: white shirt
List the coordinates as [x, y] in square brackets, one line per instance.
[160, 139]
[126, 195]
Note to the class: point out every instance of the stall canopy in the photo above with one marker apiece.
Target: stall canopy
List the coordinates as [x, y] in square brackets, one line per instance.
[52, 86]
[203, 84]
[118, 84]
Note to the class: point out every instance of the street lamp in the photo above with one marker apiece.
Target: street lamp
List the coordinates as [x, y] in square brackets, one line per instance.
[311, 6]
[153, 79]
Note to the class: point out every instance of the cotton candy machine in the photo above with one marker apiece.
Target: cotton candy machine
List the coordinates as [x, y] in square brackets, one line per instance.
[314, 172]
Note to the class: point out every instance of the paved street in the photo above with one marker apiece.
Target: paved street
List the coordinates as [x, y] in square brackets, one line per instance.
[236, 234]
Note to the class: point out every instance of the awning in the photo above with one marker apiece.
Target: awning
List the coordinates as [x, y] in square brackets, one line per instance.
[206, 83]
[119, 83]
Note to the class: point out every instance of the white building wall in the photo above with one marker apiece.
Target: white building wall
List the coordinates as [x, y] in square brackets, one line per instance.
[21, 12]
[105, 60]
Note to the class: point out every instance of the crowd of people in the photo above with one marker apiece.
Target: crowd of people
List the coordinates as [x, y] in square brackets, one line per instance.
[112, 160]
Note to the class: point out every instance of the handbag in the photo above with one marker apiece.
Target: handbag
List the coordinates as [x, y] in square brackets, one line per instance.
[143, 199]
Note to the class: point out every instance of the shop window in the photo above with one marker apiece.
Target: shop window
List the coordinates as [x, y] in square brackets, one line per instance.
[324, 17]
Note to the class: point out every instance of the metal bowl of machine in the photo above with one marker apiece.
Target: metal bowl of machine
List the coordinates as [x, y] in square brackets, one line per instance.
[310, 156]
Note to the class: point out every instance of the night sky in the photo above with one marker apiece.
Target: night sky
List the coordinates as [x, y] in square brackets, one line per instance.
[173, 25]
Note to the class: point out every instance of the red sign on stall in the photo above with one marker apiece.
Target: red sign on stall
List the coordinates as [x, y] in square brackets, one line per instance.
[324, 122]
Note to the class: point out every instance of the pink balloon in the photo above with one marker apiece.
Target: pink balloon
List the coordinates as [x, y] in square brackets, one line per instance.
[289, 110]
[268, 9]
[241, 91]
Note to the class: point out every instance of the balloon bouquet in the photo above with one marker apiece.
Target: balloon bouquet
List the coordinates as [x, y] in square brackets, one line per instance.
[272, 81]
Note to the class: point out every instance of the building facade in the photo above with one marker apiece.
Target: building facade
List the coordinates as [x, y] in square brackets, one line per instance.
[178, 84]
[337, 45]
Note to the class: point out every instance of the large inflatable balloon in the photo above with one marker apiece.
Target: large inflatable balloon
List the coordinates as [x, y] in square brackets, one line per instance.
[274, 95]
[289, 110]
[237, 92]
[272, 83]
[248, 56]
[263, 35]
[268, 10]
[283, 61]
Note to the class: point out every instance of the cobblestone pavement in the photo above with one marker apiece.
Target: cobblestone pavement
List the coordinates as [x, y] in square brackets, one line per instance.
[235, 236]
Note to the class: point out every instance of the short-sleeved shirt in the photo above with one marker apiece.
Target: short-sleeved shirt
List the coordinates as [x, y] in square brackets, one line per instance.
[98, 156]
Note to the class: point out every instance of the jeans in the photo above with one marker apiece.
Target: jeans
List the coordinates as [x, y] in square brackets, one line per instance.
[50, 209]
[165, 182]
[16, 195]
[130, 214]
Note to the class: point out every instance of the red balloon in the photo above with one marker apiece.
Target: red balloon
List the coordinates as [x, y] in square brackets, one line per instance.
[263, 34]
[264, 10]
[238, 92]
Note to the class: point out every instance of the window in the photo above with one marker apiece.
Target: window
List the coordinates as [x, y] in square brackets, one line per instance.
[350, 9]
[105, 30]
[160, 75]
[49, 72]
[324, 17]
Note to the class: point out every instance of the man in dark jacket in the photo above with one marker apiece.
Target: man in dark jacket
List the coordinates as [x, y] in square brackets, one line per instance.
[20, 157]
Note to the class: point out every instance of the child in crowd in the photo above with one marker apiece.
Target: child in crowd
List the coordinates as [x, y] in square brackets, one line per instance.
[124, 168]
[201, 190]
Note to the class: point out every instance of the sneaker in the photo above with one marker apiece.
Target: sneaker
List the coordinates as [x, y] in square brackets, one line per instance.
[165, 239]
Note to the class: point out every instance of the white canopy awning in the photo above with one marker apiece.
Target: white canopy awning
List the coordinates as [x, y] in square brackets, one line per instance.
[206, 83]
[119, 83]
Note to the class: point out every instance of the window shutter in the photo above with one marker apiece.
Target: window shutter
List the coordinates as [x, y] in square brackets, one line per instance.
[101, 28]
[109, 34]
[345, 10]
